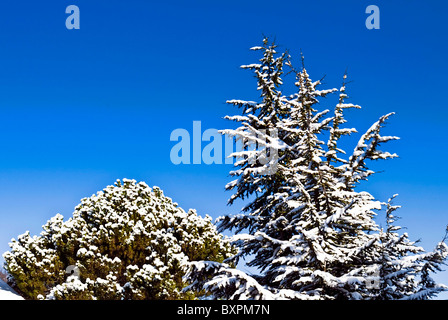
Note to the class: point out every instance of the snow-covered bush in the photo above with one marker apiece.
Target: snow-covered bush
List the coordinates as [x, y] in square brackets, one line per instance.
[307, 230]
[126, 242]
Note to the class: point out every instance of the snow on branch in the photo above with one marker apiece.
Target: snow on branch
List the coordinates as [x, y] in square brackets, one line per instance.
[222, 282]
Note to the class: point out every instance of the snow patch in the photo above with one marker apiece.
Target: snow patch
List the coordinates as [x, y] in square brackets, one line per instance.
[7, 293]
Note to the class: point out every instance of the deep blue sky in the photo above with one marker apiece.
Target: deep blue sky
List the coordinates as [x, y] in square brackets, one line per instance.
[82, 108]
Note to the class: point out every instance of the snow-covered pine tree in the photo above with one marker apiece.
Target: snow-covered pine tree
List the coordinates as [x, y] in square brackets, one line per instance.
[403, 268]
[324, 228]
[260, 141]
[128, 241]
[336, 132]
[311, 235]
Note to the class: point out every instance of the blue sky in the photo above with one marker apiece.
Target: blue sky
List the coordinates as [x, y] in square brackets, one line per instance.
[82, 108]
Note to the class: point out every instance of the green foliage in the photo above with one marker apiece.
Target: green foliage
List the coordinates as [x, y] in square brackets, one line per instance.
[126, 242]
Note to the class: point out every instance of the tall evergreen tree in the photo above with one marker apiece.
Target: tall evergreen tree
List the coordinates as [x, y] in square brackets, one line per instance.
[307, 230]
[260, 141]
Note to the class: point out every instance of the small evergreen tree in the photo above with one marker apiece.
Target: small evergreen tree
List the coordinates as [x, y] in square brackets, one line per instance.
[126, 242]
[403, 268]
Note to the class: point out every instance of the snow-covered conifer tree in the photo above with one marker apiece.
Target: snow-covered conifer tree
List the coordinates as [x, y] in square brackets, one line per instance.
[128, 241]
[259, 139]
[307, 229]
[402, 268]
